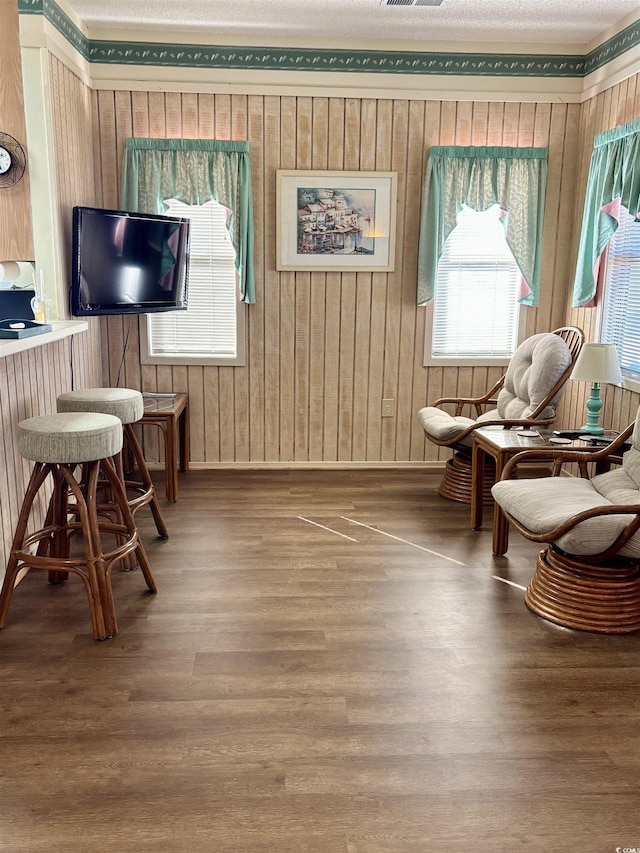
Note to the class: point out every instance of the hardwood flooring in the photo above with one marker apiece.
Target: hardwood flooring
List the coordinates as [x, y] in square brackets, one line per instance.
[330, 666]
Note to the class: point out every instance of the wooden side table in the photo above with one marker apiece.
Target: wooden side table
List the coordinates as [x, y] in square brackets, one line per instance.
[170, 412]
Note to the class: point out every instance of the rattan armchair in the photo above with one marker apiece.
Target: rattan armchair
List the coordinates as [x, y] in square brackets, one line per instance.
[588, 576]
[527, 394]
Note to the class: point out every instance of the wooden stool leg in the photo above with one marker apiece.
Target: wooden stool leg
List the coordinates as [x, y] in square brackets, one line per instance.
[130, 524]
[57, 516]
[103, 617]
[38, 476]
[10, 578]
[129, 562]
[134, 445]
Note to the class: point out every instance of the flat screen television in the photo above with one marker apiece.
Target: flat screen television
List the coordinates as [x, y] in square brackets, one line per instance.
[128, 263]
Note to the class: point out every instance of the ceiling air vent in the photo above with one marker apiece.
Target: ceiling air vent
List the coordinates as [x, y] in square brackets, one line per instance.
[412, 2]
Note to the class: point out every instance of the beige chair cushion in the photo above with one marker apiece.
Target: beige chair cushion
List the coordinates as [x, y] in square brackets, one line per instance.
[441, 425]
[541, 505]
[631, 461]
[445, 427]
[536, 366]
[617, 487]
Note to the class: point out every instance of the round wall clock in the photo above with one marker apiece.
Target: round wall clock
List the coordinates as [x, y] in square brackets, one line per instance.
[13, 161]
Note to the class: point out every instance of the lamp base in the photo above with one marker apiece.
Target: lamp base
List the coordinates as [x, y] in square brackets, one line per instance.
[592, 430]
[594, 404]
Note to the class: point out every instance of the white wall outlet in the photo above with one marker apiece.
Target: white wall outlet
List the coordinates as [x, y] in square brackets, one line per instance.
[388, 408]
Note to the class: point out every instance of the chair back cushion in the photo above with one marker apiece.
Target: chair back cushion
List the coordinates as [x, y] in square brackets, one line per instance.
[536, 366]
[631, 459]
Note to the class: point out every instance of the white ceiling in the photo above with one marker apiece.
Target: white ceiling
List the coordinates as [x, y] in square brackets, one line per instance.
[577, 22]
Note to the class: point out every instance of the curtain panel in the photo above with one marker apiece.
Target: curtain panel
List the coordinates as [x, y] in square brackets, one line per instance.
[514, 178]
[195, 171]
[614, 180]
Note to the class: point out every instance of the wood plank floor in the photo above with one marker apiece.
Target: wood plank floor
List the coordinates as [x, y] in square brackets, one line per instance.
[330, 666]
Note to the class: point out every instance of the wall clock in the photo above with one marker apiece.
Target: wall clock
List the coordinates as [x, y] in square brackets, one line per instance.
[13, 161]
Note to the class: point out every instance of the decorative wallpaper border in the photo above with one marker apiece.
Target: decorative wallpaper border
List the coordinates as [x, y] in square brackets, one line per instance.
[306, 59]
[54, 14]
[309, 59]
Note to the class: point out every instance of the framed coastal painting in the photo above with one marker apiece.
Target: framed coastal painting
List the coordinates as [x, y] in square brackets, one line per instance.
[335, 221]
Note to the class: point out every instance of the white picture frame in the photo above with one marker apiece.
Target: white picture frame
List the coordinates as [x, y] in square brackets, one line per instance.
[335, 221]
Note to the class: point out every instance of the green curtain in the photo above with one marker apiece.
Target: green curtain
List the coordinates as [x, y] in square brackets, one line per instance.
[195, 171]
[614, 179]
[514, 178]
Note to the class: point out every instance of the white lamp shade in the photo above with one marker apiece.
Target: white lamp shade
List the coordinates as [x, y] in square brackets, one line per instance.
[598, 363]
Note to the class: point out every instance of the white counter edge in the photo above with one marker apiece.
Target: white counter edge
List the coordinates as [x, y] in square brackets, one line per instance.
[60, 329]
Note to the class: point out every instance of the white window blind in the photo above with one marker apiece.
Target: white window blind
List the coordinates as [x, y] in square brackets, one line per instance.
[620, 318]
[475, 312]
[208, 328]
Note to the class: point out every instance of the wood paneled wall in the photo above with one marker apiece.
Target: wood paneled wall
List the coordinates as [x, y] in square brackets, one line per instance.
[31, 381]
[613, 107]
[16, 236]
[325, 348]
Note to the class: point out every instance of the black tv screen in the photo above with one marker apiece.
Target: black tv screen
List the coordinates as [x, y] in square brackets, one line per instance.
[128, 263]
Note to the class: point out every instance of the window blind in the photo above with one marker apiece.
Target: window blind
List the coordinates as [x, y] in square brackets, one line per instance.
[209, 325]
[476, 308]
[620, 322]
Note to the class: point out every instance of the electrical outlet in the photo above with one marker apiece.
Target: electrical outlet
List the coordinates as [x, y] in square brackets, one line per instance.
[388, 408]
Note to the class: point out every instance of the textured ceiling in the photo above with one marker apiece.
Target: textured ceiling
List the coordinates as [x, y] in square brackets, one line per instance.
[507, 21]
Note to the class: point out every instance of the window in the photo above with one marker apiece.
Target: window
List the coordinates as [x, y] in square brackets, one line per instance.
[620, 306]
[211, 330]
[475, 313]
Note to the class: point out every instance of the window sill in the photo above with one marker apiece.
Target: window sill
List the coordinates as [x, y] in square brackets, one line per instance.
[479, 361]
[204, 360]
[60, 329]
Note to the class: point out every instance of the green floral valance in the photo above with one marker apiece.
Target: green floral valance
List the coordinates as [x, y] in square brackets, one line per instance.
[614, 180]
[514, 178]
[195, 171]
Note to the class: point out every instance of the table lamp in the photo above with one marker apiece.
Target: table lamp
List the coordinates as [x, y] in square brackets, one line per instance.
[596, 363]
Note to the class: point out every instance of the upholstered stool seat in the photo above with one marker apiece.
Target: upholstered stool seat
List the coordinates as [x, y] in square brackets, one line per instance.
[127, 405]
[56, 438]
[60, 445]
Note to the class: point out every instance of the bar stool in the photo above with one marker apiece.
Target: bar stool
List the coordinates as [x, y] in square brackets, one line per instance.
[71, 449]
[127, 405]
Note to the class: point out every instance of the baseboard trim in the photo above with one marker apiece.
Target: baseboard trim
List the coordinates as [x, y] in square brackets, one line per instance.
[333, 466]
